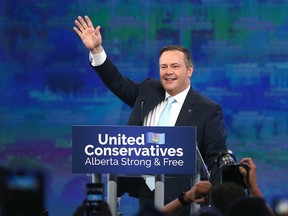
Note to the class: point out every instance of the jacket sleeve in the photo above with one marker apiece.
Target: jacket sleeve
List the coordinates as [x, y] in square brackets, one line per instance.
[214, 141]
[124, 88]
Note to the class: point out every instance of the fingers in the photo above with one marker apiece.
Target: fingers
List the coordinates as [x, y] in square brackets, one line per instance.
[249, 161]
[77, 31]
[203, 187]
[97, 30]
[201, 200]
[82, 21]
[246, 160]
[199, 191]
[82, 25]
[242, 171]
[88, 21]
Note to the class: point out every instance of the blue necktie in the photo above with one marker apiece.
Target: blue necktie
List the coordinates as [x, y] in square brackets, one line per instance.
[163, 121]
[166, 113]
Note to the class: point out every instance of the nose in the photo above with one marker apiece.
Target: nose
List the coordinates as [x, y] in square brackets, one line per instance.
[169, 70]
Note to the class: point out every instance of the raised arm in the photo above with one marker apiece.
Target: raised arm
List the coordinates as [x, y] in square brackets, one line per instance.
[90, 36]
[252, 184]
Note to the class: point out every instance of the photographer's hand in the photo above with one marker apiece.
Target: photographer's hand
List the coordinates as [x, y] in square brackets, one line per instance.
[197, 194]
[252, 184]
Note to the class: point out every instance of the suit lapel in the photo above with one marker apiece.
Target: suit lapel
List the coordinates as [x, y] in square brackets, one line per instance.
[188, 109]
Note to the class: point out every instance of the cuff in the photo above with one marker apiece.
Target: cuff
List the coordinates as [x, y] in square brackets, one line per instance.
[97, 59]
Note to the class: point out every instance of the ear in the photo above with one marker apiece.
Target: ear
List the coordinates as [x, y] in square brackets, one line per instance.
[190, 71]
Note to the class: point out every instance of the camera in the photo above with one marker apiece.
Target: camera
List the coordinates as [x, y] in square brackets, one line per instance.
[94, 198]
[229, 168]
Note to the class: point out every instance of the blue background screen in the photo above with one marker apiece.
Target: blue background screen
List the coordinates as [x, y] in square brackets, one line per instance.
[240, 50]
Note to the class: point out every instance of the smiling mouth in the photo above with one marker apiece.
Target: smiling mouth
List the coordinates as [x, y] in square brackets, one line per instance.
[169, 79]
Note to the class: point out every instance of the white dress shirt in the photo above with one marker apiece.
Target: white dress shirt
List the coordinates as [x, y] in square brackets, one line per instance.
[153, 116]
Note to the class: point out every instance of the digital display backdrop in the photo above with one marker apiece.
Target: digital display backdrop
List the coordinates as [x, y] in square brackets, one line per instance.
[240, 50]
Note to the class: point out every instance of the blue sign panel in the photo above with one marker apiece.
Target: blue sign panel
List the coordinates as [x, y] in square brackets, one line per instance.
[134, 150]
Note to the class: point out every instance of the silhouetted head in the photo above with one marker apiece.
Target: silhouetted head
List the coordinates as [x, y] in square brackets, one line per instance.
[223, 195]
[252, 206]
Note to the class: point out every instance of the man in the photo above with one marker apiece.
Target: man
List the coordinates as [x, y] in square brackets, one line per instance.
[147, 100]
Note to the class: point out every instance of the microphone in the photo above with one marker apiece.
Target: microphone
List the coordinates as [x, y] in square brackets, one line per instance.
[142, 102]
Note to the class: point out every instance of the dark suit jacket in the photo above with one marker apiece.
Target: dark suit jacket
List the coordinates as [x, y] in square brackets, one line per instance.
[197, 110]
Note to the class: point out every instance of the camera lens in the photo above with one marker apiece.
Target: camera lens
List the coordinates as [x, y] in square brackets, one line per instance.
[226, 159]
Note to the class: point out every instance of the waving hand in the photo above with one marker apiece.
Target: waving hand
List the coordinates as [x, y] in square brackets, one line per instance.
[90, 36]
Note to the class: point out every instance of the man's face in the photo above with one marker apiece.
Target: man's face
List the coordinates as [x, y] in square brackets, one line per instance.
[174, 74]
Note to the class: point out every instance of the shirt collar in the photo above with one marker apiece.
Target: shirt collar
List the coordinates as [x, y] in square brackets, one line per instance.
[180, 98]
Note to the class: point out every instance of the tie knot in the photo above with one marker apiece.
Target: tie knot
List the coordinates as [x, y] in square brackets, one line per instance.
[170, 100]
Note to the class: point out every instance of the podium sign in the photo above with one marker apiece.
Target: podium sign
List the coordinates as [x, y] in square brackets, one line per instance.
[134, 150]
